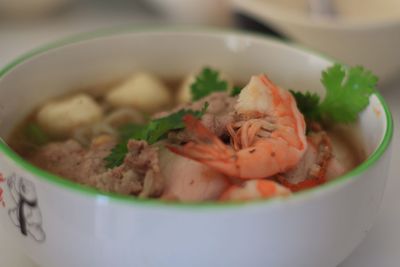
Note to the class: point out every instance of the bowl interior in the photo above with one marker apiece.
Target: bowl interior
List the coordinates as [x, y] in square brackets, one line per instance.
[103, 57]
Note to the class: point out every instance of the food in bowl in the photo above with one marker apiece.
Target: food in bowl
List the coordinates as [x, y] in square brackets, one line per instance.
[79, 222]
[201, 138]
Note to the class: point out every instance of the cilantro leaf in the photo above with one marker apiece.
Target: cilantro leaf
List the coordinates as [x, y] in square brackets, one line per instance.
[152, 132]
[158, 128]
[117, 155]
[133, 131]
[347, 92]
[236, 90]
[207, 82]
[307, 103]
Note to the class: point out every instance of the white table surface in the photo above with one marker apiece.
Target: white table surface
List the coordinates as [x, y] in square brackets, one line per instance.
[381, 248]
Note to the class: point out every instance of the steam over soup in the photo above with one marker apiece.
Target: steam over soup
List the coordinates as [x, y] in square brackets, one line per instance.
[201, 138]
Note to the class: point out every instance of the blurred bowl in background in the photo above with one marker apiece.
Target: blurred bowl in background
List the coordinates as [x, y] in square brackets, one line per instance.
[30, 8]
[207, 12]
[365, 32]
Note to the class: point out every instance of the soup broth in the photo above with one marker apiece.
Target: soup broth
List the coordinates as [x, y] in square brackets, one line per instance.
[153, 138]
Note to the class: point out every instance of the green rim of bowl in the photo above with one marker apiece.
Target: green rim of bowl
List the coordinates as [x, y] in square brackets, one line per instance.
[91, 192]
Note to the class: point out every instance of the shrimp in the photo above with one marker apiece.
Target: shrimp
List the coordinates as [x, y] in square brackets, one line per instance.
[267, 136]
[254, 189]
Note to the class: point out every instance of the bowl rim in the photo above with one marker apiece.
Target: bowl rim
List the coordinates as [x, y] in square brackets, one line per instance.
[73, 187]
[264, 10]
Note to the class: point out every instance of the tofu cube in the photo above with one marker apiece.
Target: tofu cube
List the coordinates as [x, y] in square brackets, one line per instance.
[141, 91]
[59, 118]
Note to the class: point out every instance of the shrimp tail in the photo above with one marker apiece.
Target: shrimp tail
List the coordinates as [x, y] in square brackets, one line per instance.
[205, 146]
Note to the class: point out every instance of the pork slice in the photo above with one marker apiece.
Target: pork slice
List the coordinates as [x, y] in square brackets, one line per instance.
[188, 180]
[318, 162]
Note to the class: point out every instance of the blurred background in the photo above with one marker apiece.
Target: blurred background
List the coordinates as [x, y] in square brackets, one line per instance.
[363, 32]
[25, 24]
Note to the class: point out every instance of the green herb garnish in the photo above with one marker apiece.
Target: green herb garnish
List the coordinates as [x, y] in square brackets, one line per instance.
[236, 90]
[151, 132]
[347, 94]
[35, 134]
[133, 131]
[207, 82]
[307, 103]
[158, 128]
[117, 155]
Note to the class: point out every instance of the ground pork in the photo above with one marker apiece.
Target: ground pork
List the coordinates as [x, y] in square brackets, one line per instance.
[220, 112]
[60, 158]
[138, 175]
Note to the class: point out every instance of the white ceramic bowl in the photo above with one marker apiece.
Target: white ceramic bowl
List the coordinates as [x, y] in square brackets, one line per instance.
[372, 42]
[71, 225]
